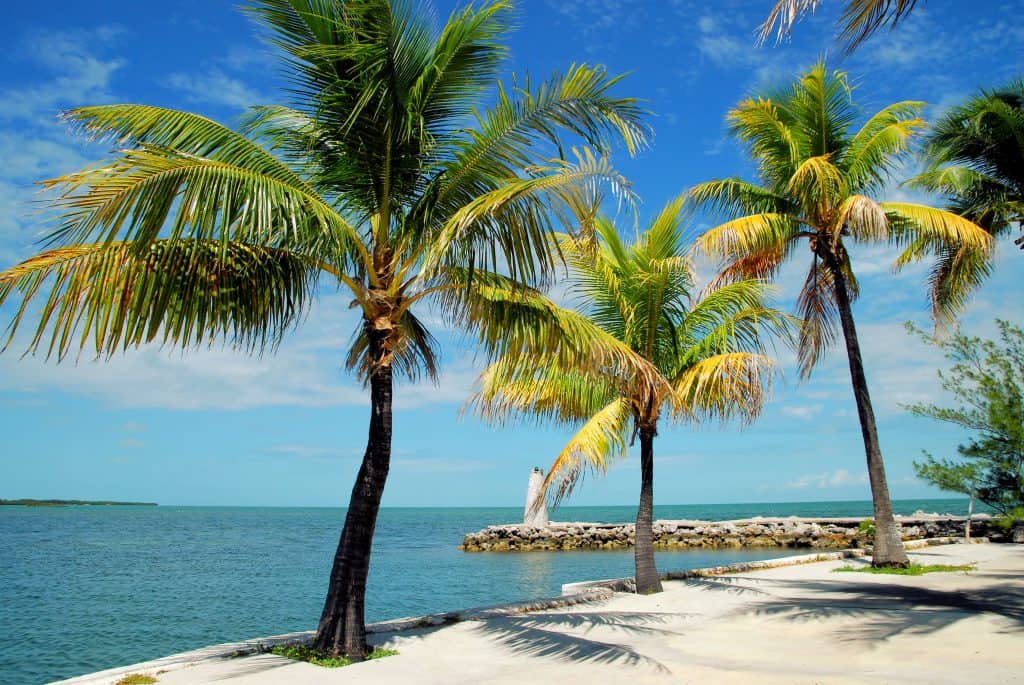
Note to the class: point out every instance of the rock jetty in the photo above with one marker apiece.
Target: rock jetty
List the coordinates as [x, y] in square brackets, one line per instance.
[793, 532]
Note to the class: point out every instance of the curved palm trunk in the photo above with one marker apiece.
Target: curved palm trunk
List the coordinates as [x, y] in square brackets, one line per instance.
[342, 628]
[647, 580]
[888, 546]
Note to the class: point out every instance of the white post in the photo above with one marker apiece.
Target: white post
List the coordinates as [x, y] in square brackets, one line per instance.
[536, 512]
[970, 514]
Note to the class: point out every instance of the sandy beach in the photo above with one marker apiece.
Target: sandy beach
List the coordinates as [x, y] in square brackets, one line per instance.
[797, 624]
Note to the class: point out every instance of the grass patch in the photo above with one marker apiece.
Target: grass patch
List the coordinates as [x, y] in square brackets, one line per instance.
[310, 655]
[912, 570]
[136, 679]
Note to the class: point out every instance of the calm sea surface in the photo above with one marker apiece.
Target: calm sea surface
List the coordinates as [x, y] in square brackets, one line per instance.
[88, 588]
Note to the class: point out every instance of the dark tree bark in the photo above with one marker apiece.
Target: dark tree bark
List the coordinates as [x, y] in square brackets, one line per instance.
[342, 629]
[888, 545]
[647, 580]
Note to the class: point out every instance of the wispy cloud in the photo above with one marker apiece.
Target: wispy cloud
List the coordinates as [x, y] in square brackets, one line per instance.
[215, 87]
[79, 73]
[802, 411]
[829, 480]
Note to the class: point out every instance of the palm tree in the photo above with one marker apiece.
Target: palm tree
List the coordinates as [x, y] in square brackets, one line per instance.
[818, 176]
[860, 19]
[702, 349]
[387, 183]
[976, 159]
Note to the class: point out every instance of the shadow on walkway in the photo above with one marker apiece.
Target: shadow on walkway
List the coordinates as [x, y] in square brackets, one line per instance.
[887, 610]
[541, 635]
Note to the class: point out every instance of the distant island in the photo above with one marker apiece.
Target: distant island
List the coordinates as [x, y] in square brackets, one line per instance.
[69, 502]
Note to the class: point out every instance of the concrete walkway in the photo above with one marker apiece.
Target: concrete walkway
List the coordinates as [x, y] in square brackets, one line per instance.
[799, 624]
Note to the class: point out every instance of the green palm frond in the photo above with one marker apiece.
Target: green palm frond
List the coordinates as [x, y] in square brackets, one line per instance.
[150, 193]
[975, 157]
[772, 141]
[183, 132]
[183, 294]
[517, 323]
[518, 216]
[735, 197]
[873, 152]
[732, 318]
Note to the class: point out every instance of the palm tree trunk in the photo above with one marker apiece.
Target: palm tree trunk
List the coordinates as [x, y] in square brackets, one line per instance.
[888, 545]
[342, 628]
[647, 580]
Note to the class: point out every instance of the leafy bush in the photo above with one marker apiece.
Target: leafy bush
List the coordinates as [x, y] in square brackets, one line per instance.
[310, 655]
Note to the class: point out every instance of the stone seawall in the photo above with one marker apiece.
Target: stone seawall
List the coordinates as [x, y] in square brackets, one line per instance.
[817, 533]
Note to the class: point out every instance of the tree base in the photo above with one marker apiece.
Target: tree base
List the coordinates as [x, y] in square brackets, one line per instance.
[890, 564]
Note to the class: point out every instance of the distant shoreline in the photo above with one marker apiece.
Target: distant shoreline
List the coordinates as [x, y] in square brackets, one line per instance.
[70, 503]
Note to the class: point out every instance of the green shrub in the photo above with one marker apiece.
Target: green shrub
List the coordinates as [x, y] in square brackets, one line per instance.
[1006, 521]
[136, 679]
[866, 528]
[912, 570]
[310, 655]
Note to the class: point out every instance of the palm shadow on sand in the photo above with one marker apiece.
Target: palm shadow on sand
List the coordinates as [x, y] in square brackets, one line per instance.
[546, 635]
[884, 610]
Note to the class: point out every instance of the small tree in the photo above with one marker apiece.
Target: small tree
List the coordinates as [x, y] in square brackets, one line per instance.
[988, 380]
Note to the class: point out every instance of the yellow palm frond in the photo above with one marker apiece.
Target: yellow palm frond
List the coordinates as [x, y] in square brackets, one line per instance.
[592, 448]
[520, 387]
[817, 181]
[723, 386]
[930, 230]
[112, 296]
[754, 233]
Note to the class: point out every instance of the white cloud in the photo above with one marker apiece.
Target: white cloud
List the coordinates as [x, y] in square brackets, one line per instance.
[80, 75]
[828, 480]
[215, 87]
[802, 411]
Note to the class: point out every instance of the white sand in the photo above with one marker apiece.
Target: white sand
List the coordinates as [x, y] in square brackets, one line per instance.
[799, 624]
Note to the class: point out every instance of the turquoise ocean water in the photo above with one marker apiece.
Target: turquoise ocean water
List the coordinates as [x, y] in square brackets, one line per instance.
[88, 588]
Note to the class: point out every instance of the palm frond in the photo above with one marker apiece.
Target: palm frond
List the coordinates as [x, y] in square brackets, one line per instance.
[873, 152]
[933, 228]
[862, 218]
[600, 440]
[816, 182]
[516, 219]
[748, 234]
[771, 138]
[722, 387]
[519, 387]
[817, 308]
[151, 193]
[183, 294]
[860, 18]
[183, 132]
[735, 197]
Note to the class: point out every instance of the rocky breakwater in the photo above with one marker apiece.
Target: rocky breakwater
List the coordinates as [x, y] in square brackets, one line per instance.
[817, 533]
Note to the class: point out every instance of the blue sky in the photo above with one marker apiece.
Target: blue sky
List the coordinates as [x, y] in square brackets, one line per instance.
[218, 427]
